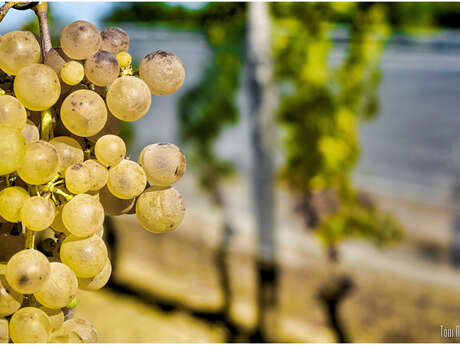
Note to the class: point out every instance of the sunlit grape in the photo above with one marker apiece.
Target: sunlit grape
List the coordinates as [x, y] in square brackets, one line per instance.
[72, 73]
[40, 164]
[12, 112]
[69, 151]
[114, 40]
[80, 39]
[37, 213]
[30, 325]
[99, 280]
[83, 215]
[10, 300]
[18, 49]
[30, 132]
[77, 178]
[12, 150]
[110, 149]
[124, 59]
[98, 174]
[102, 68]
[11, 201]
[82, 327]
[126, 180]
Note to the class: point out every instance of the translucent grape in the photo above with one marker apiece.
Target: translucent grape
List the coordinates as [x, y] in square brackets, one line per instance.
[37, 213]
[80, 39]
[30, 325]
[10, 300]
[30, 132]
[114, 40]
[58, 224]
[12, 113]
[77, 178]
[102, 68]
[160, 209]
[98, 174]
[11, 201]
[163, 163]
[56, 317]
[4, 331]
[40, 164]
[110, 149]
[112, 126]
[163, 72]
[83, 215]
[72, 73]
[126, 179]
[128, 98]
[83, 328]
[85, 256]
[65, 337]
[18, 49]
[99, 280]
[27, 271]
[114, 206]
[69, 151]
[60, 288]
[83, 113]
[12, 150]
[124, 59]
[37, 87]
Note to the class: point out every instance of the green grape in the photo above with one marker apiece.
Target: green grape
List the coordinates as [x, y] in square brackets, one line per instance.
[12, 113]
[18, 49]
[11, 201]
[10, 300]
[128, 98]
[85, 256]
[110, 149]
[37, 213]
[30, 325]
[4, 331]
[40, 164]
[60, 289]
[83, 215]
[30, 132]
[102, 68]
[163, 163]
[99, 280]
[98, 174]
[72, 73]
[58, 224]
[27, 271]
[114, 206]
[83, 113]
[112, 126]
[126, 179]
[114, 40]
[77, 178]
[163, 72]
[80, 39]
[12, 150]
[160, 209]
[69, 151]
[37, 87]
[56, 317]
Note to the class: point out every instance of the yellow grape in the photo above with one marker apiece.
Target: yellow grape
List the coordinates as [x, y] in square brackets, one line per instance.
[11, 201]
[77, 178]
[163, 72]
[17, 50]
[69, 151]
[110, 149]
[27, 271]
[83, 113]
[82, 328]
[72, 73]
[37, 87]
[114, 40]
[85, 256]
[30, 325]
[80, 39]
[37, 213]
[10, 300]
[60, 288]
[102, 68]
[65, 337]
[124, 59]
[112, 126]
[4, 331]
[40, 164]
[114, 206]
[56, 317]
[160, 209]
[128, 98]
[98, 174]
[12, 112]
[58, 224]
[99, 280]
[30, 132]
[126, 179]
[83, 215]
[12, 150]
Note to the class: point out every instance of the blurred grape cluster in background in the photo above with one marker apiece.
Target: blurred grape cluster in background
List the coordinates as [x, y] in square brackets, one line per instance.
[322, 190]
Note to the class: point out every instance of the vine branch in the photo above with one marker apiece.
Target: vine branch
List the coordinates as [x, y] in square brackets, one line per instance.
[41, 10]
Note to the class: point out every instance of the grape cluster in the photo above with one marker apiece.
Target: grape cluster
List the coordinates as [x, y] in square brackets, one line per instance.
[63, 167]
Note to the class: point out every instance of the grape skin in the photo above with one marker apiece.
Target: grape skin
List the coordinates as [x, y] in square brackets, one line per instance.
[12, 113]
[56, 317]
[10, 300]
[69, 151]
[80, 39]
[11, 201]
[114, 40]
[102, 68]
[4, 331]
[124, 59]
[78, 178]
[99, 280]
[126, 179]
[110, 149]
[18, 49]
[30, 132]
[37, 213]
[30, 325]
[58, 224]
[72, 73]
[98, 174]
[12, 150]
[83, 215]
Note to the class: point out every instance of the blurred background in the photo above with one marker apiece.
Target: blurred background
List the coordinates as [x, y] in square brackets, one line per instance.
[323, 174]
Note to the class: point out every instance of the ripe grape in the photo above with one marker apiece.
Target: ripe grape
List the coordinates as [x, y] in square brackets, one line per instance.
[126, 179]
[83, 215]
[99, 280]
[124, 59]
[102, 68]
[64, 337]
[11, 201]
[12, 150]
[114, 40]
[114, 206]
[58, 224]
[77, 178]
[163, 72]
[37, 87]
[83, 113]
[60, 288]
[163, 163]
[27, 271]
[80, 39]
[128, 98]
[30, 325]
[40, 164]
[37, 213]
[18, 49]
[4, 331]
[72, 73]
[160, 209]
[112, 126]
[110, 149]
[85, 256]
[98, 174]
[10, 300]
[12, 113]
[30, 132]
[56, 317]
[82, 327]
[69, 151]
